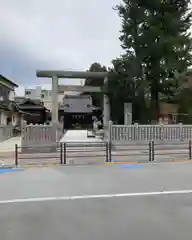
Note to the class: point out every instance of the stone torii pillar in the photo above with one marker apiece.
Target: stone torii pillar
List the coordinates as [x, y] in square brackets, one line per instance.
[106, 109]
[55, 100]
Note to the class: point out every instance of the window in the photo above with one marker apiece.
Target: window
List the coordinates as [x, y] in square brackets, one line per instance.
[28, 92]
[42, 96]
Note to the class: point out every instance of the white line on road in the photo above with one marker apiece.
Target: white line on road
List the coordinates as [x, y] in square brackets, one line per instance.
[64, 198]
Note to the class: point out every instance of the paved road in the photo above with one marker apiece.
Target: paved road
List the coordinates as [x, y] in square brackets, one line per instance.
[100, 202]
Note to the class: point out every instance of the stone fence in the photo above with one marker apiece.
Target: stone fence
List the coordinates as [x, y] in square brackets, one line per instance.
[125, 133]
[40, 135]
[45, 135]
[6, 132]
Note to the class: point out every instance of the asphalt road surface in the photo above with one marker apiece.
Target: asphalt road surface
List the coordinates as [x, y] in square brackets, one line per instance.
[147, 201]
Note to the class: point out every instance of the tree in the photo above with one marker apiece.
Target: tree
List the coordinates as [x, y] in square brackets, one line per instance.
[125, 85]
[97, 97]
[155, 32]
[122, 87]
[95, 67]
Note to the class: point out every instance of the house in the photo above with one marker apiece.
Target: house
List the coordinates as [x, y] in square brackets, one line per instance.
[7, 97]
[33, 110]
[45, 95]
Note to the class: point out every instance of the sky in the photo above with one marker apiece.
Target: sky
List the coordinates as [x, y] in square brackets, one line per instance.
[55, 35]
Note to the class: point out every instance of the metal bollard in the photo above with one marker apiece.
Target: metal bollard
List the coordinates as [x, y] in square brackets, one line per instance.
[110, 150]
[190, 153]
[107, 151]
[153, 151]
[150, 154]
[64, 153]
[16, 155]
[61, 153]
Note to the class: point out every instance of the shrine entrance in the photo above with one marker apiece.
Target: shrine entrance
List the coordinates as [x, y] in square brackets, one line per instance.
[56, 88]
[78, 121]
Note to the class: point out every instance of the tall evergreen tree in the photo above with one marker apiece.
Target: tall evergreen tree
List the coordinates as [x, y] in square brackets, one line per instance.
[96, 97]
[155, 32]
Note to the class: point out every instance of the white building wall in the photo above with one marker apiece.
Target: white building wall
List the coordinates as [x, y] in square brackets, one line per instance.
[12, 95]
[33, 93]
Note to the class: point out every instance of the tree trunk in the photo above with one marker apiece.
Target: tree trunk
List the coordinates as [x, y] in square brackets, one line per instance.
[154, 102]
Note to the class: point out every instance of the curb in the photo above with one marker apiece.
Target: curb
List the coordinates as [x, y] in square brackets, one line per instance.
[111, 163]
[105, 163]
[7, 167]
[183, 160]
[42, 165]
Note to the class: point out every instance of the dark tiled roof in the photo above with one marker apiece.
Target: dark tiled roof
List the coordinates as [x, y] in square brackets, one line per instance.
[13, 106]
[22, 100]
[8, 81]
[19, 99]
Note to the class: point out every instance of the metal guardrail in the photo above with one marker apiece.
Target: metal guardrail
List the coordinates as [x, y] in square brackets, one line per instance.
[62, 153]
[30, 155]
[99, 152]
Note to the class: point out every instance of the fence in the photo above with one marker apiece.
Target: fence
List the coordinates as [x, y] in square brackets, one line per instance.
[126, 133]
[6, 132]
[65, 153]
[48, 134]
[98, 153]
[40, 135]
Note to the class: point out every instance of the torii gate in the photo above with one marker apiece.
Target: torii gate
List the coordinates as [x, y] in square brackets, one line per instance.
[56, 88]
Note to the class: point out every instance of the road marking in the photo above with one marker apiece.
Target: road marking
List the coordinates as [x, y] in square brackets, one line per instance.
[80, 197]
